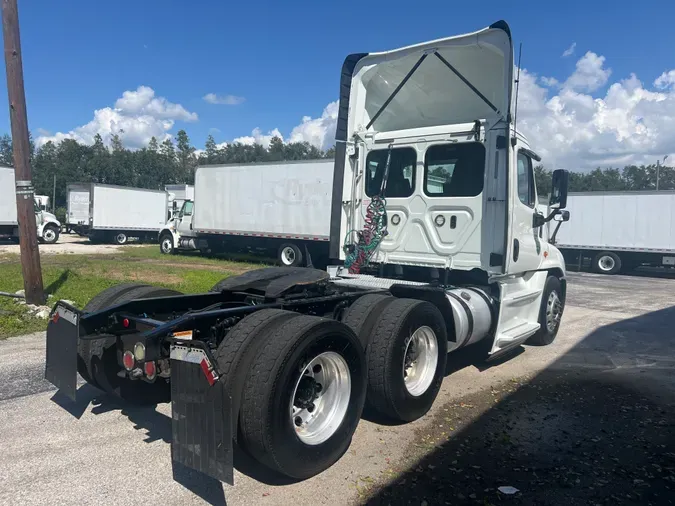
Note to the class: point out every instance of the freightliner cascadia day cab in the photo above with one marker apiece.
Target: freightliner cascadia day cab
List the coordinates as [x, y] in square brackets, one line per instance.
[109, 213]
[434, 231]
[48, 227]
[282, 208]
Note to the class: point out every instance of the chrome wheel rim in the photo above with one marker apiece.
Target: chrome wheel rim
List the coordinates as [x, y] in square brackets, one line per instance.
[320, 398]
[49, 235]
[288, 255]
[121, 238]
[167, 245]
[606, 263]
[553, 311]
[420, 361]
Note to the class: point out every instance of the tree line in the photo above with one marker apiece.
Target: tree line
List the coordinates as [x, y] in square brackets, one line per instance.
[174, 161]
[630, 178]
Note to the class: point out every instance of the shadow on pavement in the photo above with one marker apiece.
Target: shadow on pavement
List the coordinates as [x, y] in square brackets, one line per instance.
[596, 427]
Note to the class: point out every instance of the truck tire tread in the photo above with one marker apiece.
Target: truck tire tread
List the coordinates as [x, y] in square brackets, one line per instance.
[264, 433]
[362, 315]
[383, 396]
[236, 352]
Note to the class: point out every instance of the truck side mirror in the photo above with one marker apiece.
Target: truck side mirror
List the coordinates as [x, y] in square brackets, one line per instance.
[559, 189]
[562, 216]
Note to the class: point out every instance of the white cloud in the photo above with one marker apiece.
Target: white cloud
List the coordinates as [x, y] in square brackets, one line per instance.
[257, 137]
[574, 128]
[551, 82]
[213, 98]
[570, 50]
[319, 132]
[590, 73]
[136, 117]
[42, 131]
[665, 80]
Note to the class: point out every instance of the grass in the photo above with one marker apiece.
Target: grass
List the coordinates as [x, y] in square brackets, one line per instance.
[78, 278]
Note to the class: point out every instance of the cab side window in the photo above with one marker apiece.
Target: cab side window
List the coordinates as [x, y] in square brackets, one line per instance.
[526, 189]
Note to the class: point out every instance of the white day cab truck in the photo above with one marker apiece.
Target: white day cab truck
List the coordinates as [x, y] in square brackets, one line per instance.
[48, 227]
[279, 207]
[280, 361]
[114, 214]
[623, 231]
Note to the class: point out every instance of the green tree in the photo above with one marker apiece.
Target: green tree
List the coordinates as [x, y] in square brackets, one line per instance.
[187, 161]
[210, 150]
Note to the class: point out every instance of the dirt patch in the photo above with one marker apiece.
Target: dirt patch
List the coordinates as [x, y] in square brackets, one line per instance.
[557, 441]
[68, 244]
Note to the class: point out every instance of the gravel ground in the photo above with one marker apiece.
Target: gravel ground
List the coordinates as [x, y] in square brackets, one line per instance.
[67, 244]
[596, 406]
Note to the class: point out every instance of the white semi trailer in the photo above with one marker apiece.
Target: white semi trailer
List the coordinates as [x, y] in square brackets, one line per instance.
[48, 227]
[280, 361]
[283, 207]
[107, 213]
[615, 231]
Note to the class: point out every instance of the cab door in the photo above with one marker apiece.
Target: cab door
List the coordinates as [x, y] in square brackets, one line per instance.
[526, 245]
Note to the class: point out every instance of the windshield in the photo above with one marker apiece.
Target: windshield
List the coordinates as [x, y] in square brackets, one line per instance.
[187, 208]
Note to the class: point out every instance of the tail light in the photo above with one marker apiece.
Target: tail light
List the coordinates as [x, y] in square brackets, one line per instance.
[139, 351]
[150, 370]
[128, 360]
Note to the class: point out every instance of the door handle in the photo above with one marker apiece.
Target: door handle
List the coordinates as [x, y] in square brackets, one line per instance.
[516, 250]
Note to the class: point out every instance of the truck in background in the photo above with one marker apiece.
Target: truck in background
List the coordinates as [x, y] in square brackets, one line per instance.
[42, 202]
[108, 213]
[619, 231]
[281, 207]
[178, 194]
[48, 227]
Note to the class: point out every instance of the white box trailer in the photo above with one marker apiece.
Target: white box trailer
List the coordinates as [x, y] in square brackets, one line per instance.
[48, 227]
[115, 213]
[619, 230]
[280, 206]
[178, 194]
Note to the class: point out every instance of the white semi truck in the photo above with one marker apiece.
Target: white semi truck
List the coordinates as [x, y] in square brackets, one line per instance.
[48, 227]
[178, 194]
[280, 361]
[108, 213]
[283, 207]
[620, 231]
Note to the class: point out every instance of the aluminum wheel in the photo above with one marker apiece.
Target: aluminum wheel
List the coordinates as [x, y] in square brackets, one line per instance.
[49, 235]
[167, 244]
[606, 263]
[553, 311]
[121, 238]
[420, 361]
[321, 398]
[288, 256]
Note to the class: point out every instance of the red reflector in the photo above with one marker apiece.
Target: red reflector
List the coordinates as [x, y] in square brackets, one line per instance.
[55, 318]
[128, 360]
[207, 372]
[125, 322]
[150, 369]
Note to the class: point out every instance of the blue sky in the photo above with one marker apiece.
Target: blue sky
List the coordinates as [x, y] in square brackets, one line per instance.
[285, 60]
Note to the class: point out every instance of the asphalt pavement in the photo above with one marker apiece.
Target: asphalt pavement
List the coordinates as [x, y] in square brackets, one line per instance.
[515, 423]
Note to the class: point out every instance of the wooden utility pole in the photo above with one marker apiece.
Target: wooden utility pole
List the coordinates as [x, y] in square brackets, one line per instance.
[25, 201]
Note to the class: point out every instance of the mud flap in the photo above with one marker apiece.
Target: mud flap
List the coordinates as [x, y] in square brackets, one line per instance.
[61, 362]
[201, 413]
